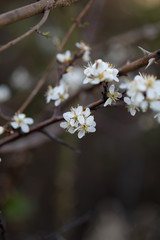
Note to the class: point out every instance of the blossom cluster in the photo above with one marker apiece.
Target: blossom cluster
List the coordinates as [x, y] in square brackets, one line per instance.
[99, 72]
[71, 80]
[79, 120]
[142, 92]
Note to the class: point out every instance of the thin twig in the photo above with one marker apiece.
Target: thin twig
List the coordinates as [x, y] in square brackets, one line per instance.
[18, 39]
[76, 22]
[44, 78]
[59, 140]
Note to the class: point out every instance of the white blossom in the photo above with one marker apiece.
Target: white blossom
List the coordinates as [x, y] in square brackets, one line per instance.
[64, 57]
[2, 130]
[144, 92]
[5, 93]
[86, 49]
[99, 72]
[79, 120]
[112, 96]
[21, 79]
[57, 94]
[21, 121]
[131, 107]
[73, 79]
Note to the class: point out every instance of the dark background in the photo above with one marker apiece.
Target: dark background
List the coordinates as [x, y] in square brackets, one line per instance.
[115, 181]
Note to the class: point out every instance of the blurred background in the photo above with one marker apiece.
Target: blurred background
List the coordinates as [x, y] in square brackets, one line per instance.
[112, 189]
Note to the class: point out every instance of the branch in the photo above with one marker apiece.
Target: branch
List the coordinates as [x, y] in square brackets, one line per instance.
[31, 10]
[123, 71]
[130, 67]
[43, 79]
[36, 27]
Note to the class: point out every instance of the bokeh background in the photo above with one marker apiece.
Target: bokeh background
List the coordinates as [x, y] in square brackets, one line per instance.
[112, 189]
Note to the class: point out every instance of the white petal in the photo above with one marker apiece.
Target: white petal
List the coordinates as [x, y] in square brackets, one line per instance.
[155, 106]
[81, 120]
[14, 125]
[86, 80]
[72, 122]
[68, 115]
[71, 130]
[127, 100]
[91, 129]
[63, 124]
[24, 128]
[81, 134]
[57, 102]
[28, 120]
[87, 112]
[90, 120]
[1, 130]
[132, 111]
[111, 89]
[79, 110]
[108, 102]
[21, 115]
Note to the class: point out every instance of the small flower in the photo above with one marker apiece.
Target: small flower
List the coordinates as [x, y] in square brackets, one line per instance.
[73, 79]
[5, 93]
[131, 107]
[2, 130]
[21, 121]
[64, 57]
[58, 94]
[112, 96]
[99, 72]
[86, 49]
[79, 120]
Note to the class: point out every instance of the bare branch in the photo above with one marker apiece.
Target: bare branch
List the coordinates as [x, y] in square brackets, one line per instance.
[31, 10]
[130, 67]
[36, 27]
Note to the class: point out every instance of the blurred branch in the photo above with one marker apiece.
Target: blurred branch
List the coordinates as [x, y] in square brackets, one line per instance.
[43, 79]
[59, 140]
[36, 27]
[31, 10]
[68, 227]
[148, 31]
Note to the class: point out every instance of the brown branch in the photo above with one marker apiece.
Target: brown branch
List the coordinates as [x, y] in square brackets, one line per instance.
[43, 79]
[36, 27]
[31, 10]
[130, 67]
[36, 128]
